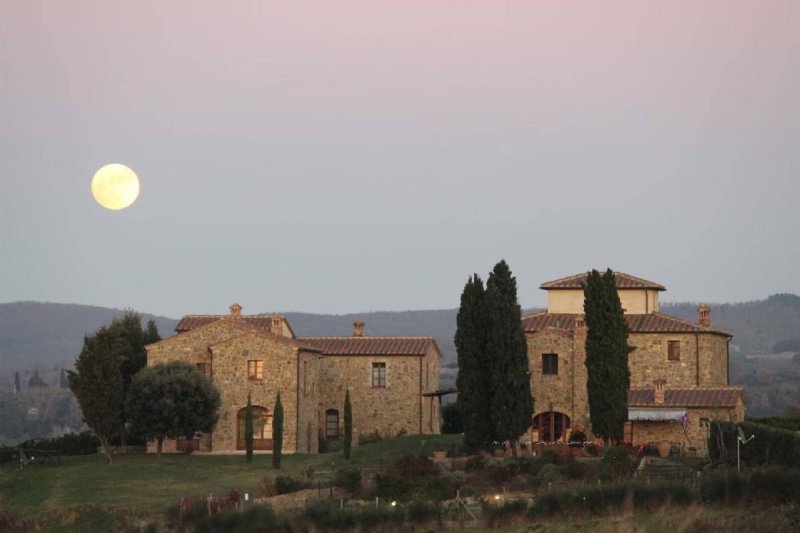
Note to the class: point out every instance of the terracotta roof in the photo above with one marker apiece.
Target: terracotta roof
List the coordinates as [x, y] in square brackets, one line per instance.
[190, 322]
[649, 323]
[624, 281]
[372, 345]
[700, 397]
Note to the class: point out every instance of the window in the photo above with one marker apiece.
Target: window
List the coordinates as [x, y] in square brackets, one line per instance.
[674, 350]
[379, 375]
[550, 364]
[255, 369]
[332, 424]
[205, 368]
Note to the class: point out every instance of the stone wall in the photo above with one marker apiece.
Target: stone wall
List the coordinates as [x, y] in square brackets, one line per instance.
[308, 391]
[230, 359]
[388, 410]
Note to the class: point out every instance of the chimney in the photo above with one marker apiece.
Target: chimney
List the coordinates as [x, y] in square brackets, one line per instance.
[704, 316]
[276, 325]
[236, 311]
[358, 328]
[658, 395]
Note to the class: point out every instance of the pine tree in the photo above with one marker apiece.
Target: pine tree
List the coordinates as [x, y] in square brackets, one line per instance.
[36, 380]
[473, 379]
[248, 430]
[512, 403]
[607, 353]
[277, 433]
[348, 425]
[96, 383]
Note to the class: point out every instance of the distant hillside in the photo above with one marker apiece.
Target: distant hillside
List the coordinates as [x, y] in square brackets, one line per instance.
[44, 335]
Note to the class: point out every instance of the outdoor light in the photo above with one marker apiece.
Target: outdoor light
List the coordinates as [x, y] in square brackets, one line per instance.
[496, 497]
[394, 504]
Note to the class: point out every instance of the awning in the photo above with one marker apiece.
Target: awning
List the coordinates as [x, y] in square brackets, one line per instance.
[656, 415]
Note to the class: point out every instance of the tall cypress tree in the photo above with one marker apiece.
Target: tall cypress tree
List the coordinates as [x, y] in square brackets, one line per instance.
[473, 379]
[277, 432]
[248, 430]
[607, 353]
[17, 383]
[348, 425]
[512, 403]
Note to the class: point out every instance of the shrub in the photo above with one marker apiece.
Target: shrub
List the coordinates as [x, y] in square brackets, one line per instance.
[11, 522]
[475, 464]
[328, 516]
[322, 442]
[496, 514]
[576, 470]
[255, 519]
[773, 446]
[287, 484]
[84, 443]
[549, 473]
[497, 474]
[349, 479]
[370, 517]
[416, 465]
[767, 486]
[392, 487]
[420, 512]
[577, 439]
[616, 463]
[602, 499]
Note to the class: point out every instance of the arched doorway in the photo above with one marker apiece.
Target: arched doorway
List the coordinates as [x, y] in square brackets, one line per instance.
[262, 428]
[551, 425]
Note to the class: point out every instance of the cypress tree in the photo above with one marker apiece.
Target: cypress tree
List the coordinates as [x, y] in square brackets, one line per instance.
[348, 425]
[248, 430]
[607, 353]
[17, 383]
[62, 379]
[277, 433]
[512, 403]
[473, 379]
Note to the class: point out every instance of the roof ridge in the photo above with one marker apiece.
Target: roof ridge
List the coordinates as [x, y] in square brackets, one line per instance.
[367, 337]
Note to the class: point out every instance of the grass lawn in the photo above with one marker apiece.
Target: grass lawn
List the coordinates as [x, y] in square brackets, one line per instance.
[145, 483]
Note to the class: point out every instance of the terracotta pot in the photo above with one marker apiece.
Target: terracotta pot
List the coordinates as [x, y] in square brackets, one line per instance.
[663, 448]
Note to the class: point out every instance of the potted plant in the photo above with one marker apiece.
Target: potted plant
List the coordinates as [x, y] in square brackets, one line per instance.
[576, 442]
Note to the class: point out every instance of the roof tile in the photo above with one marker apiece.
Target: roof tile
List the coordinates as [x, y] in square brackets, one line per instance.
[371, 345]
[698, 397]
[649, 323]
[624, 281]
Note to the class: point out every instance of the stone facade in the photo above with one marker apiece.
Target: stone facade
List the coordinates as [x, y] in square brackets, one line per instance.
[375, 408]
[688, 357]
[260, 356]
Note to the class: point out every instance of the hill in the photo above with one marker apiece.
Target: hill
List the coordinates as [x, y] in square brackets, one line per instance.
[43, 335]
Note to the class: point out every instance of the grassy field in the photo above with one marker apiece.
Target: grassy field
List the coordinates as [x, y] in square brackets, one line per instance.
[142, 483]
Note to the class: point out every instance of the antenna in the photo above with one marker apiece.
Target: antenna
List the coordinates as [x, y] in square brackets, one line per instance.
[741, 439]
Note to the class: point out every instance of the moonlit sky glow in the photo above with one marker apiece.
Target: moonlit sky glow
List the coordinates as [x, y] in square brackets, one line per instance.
[361, 155]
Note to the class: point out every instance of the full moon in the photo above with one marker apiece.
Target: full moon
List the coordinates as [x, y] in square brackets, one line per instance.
[115, 186]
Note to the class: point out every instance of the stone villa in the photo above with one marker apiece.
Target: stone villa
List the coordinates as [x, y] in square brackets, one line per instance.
[392, 380]
[679, 369]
